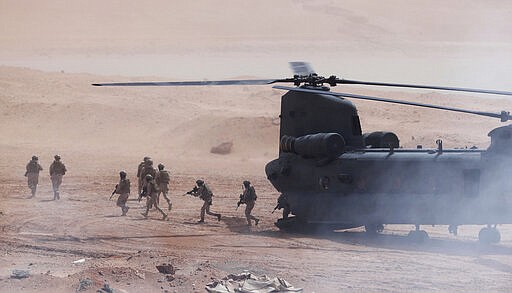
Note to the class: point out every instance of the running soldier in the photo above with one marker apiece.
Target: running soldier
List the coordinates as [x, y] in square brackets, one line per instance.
[249, 198]
[57, 170]
[162, 181]
[204, 192]
[123, 189]
[139, 170]
[32, 174]
[147, 169]
[151, 191]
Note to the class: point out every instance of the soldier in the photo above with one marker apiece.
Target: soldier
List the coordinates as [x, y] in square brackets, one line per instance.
[282, 203]
[162, 180]
[57, 170]
[147, 169]
[152, 194]
[139, 170]
[123, 189]
[204, 192]
[32, 174]
[249, 198]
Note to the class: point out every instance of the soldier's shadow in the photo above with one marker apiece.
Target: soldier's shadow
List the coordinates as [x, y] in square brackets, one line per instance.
[236, 224]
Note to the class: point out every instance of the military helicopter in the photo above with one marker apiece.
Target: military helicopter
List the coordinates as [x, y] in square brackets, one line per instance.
[331, 174]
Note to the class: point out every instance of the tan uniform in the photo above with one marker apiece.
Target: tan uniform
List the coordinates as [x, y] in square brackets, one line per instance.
[147, 169]
[123, 189]
[32, 175]
[57, 170]
[139, 178]
[249, 197]
[152, 193]
[162, 180]
[204, 192]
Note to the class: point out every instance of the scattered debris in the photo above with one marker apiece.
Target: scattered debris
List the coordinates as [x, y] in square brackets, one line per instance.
[105, 289]
[20, 274]
[167, 269]
[169, 278]
[247, 282]
[140, 275]
[82, 260]
[222, 149]
[84, 285]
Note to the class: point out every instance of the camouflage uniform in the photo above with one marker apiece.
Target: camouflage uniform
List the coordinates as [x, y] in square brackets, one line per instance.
[204, 192]
[123, 189]
[162, 180]
[152, 194]
[57, 170]
[32, 174]
[147, 169]
[249, 198]
[140, 179]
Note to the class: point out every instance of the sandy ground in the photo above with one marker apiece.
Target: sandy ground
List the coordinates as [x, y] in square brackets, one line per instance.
[51, 51]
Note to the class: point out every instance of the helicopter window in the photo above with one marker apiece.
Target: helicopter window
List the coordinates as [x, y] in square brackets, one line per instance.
[356, 126]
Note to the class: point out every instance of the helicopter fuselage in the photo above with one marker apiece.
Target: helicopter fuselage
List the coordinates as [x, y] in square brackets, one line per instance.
[329, 172]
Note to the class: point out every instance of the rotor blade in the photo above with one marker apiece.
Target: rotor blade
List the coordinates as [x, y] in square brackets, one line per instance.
[193, 83]
[504, 116]
[301, 68]
[482, 91]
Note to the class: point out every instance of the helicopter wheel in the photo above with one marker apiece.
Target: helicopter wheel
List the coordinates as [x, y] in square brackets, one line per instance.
[418, 236]
[373, 229]
[488, 235]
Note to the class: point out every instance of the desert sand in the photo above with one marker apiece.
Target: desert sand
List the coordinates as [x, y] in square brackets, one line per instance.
[51, 52]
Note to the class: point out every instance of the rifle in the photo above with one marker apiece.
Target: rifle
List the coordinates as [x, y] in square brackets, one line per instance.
[143, 193]
[194, 190]
[113, 192]
[277, 206]
[240, 201]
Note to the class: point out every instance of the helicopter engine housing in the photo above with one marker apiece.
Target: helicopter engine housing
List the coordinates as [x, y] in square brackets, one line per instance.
[329, 145]
[381, 139]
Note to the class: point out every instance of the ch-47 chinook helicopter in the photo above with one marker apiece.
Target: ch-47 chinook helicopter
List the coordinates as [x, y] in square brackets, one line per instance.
[331, 174]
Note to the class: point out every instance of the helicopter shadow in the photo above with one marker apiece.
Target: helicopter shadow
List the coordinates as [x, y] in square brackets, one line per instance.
[398, 242]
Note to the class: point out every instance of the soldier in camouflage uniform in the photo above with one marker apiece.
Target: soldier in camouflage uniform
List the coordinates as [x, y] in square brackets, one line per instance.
[32, 174]
[249, 198]
[123, 189]
[204, 192]
[152, 194]
[147, 169]
[57, 170]
[162, 180]
[140, 179]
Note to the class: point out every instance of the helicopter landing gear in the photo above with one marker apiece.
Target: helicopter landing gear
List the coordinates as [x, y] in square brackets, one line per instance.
[372, 229]
[489, 234]
[452, 229]
[417, 235]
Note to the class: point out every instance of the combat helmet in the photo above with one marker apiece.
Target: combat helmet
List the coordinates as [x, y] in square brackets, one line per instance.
[199, 182]
[149, 177]
[56, 157]
[122, 174]
[35, 158]
[161, 166]
[246, 183]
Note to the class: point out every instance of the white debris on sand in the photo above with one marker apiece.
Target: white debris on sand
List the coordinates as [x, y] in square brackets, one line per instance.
[246, 282]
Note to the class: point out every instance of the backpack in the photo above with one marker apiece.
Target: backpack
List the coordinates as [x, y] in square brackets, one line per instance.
[164, 177]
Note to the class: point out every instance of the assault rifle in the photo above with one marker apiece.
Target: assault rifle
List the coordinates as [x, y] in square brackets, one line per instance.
[191, 192]
[113, 192]
[143, 193]
[240, 201]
